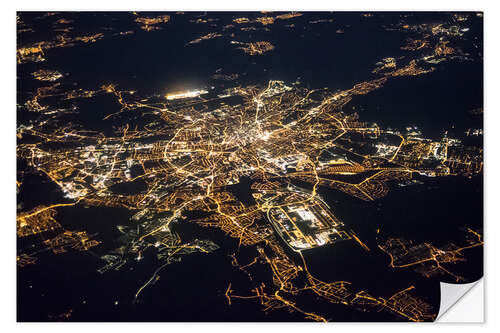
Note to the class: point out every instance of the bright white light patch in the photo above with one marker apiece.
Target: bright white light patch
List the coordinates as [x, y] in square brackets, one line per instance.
[187, 94]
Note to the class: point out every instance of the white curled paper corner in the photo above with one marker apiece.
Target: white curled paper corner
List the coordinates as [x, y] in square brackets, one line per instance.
[451, 294]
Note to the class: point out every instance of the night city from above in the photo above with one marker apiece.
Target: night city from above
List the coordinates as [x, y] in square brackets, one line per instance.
[247, 166]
